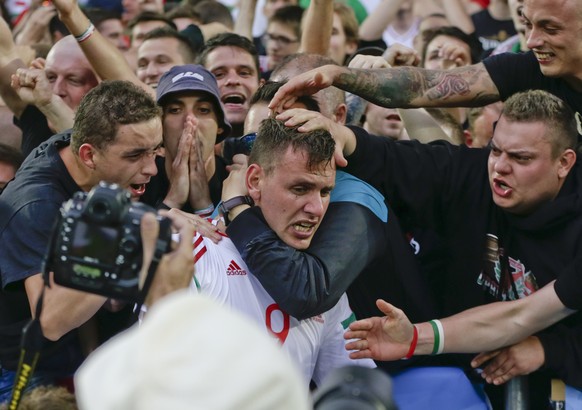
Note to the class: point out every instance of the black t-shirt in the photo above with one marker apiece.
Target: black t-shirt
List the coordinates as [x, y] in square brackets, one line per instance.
[491, 32]
[493, 255]
[29, 207]
[35, 129]
[513, 73]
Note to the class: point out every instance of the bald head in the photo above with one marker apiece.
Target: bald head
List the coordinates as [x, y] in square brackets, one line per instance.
[69, 72]
[330, 99]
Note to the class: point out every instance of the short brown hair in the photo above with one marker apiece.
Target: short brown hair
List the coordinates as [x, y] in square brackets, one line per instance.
[539, 105]
[274, 137]
[105, 108]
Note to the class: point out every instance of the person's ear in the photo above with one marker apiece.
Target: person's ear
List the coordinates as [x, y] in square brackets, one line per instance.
[567, 161]
[255, 175]
[87, 155]
[340, 114]
[351, 47]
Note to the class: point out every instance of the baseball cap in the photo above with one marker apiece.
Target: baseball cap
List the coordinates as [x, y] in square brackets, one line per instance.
[193, 77]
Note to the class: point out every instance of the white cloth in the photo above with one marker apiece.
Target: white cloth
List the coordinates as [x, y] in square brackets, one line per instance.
[316, 345]
[190, 353]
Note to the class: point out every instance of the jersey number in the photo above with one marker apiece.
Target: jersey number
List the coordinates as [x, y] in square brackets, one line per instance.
[282, 334]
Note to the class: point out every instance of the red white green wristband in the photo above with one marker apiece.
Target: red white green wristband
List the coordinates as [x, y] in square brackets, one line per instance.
[439, 336]
[412, 344]
[86, 34]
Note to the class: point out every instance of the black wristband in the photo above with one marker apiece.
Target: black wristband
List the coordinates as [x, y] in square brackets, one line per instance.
[225, 207]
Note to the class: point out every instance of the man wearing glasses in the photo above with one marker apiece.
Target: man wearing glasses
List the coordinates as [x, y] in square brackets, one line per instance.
[283, 36]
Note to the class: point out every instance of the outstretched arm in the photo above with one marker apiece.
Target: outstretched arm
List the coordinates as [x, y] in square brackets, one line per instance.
[317, 27]
[455, 11]
[106, 59]
[378, 20]
[419, 124]
[9, 63]
[479, 329]
[35, 28]
[243, 26]
[401, 87]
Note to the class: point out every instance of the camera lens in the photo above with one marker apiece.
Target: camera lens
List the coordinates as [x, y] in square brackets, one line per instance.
[100, 210]
[128, 245]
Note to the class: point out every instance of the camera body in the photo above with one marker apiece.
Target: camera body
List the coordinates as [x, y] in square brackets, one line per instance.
[96, 246]
[239, 145]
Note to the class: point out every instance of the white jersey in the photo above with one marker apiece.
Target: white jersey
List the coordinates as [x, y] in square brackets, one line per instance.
[316, 344]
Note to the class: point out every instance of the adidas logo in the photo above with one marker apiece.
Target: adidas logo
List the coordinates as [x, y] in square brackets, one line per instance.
[234, 269]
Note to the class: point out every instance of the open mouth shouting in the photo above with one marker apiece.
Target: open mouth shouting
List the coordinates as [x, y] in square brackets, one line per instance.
[234, 101]
[304, 229]
[500, 188]
[137, 190]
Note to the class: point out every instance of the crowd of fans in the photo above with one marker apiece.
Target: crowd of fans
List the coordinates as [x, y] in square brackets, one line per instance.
[340, 174]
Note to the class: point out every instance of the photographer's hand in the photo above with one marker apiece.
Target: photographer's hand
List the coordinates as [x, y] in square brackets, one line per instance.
[176, 268]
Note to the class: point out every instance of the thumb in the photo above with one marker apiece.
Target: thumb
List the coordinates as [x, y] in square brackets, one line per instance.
[339, 158]
[385, 307]
[391, 311]
[319, 80]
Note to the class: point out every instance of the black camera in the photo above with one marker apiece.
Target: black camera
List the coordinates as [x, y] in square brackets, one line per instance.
[96, 245]
[238, 145]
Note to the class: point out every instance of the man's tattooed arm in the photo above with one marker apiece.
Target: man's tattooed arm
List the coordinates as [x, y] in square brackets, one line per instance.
[410, 87]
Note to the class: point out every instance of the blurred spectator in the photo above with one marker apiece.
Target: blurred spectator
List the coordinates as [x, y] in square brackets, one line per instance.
[493, 25]
[133, 8]
[183, 15]
[344, 35]
[212, 11]
[145, 22]
[110, 26]
[162, 48]
[283, 35]
[481, 122]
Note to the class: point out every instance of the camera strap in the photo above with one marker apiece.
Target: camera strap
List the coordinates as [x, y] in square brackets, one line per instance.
[32, 338]
[31, 344]
[161, 249]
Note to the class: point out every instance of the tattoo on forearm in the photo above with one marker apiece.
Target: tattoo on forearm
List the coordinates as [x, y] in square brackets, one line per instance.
[448, 86]
[389, 88]
[406, 87]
